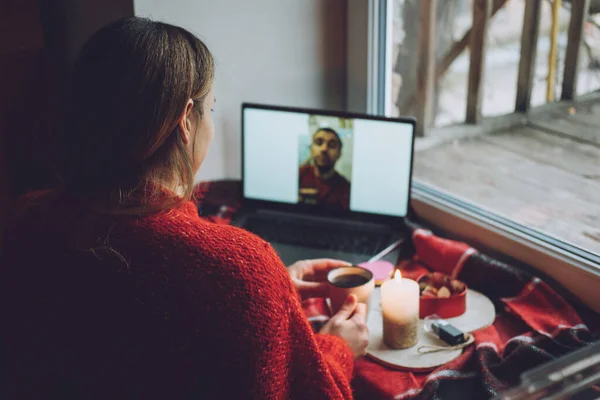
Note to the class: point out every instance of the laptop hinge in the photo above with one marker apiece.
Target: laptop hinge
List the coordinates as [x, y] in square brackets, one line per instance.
[319, 219]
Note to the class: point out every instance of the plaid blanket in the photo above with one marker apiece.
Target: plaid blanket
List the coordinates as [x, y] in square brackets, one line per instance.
[534, 324]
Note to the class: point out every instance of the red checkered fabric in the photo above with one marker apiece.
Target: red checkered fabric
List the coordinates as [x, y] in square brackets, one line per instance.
[534, 324]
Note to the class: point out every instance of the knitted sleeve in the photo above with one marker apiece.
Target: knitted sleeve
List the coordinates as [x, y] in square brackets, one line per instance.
[321, 365]
[273, 350]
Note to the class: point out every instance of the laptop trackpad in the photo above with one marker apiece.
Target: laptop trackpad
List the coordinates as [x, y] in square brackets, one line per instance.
[290, 254]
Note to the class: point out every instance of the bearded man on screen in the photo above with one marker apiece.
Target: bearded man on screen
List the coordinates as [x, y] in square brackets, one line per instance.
[319, 182]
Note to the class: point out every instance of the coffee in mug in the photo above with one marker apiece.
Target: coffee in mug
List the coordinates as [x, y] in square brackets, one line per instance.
[349, 281]
[345, 281]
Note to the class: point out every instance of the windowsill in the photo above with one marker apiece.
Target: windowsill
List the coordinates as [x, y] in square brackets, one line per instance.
[579, 275]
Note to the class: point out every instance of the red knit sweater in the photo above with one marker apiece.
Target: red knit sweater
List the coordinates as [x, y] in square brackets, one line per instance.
[161, 306]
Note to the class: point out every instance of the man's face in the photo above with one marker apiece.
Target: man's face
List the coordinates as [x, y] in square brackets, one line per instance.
[325, 149]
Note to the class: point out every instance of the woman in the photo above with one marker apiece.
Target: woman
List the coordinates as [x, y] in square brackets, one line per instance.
[113, 287]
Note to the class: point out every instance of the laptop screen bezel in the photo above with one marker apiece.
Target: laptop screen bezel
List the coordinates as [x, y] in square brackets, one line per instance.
[323, 211]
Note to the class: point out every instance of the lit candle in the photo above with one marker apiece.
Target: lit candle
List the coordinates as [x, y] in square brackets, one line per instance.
[400, 309]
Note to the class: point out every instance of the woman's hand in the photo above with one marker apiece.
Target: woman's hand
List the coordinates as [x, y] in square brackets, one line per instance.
[310, 276]
[350, 324]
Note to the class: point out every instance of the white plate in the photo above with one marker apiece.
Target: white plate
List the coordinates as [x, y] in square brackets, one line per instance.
[479, 313]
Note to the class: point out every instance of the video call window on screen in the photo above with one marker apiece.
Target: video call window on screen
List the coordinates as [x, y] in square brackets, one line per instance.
[355, 164]
[325, 155]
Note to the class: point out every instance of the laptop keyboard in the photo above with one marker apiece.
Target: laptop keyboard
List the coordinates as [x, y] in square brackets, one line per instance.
[300, 233]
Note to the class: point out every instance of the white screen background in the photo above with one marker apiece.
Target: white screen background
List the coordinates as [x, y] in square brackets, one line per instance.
[271, 154]
[381, 167]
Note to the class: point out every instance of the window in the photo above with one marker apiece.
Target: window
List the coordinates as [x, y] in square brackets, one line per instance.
[525, 158]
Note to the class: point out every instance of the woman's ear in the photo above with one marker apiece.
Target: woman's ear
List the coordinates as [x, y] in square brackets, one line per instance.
[185, 123]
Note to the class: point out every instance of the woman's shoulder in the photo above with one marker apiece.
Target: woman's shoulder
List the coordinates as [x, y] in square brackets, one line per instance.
[218, 254]
[186, 225]
[32, 210]
[227, 245]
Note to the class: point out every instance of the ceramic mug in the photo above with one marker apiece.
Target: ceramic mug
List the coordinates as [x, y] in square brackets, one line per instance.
[345, 281]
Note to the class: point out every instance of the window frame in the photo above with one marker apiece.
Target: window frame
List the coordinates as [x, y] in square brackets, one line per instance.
[369, 90]
[576, 269]
[368, 29]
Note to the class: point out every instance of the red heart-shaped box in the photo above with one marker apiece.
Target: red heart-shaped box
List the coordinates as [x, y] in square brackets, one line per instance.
[447, 307]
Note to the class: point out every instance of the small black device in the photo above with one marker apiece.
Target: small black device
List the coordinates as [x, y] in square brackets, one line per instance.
[448, 333]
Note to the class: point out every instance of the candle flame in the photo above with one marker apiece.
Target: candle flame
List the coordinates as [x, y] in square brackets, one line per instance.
[397, 275]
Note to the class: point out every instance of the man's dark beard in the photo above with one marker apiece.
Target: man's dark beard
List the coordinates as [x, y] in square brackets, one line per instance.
[324, 169]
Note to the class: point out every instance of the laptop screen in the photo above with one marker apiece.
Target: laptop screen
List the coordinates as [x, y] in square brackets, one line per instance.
[359, 164]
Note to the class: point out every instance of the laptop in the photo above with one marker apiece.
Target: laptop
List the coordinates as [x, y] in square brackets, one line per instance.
[326, 184]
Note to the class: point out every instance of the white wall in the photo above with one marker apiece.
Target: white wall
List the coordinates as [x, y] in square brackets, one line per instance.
[285, 52]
